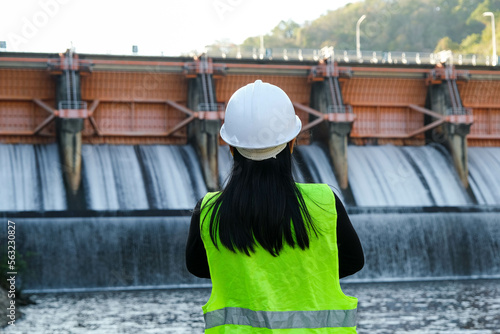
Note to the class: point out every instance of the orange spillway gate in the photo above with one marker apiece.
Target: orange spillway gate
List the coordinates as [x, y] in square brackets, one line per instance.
[481, 96]
[141, 100]
[22, 119]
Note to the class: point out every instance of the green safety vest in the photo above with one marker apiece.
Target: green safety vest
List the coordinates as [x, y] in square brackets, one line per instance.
[295, 292]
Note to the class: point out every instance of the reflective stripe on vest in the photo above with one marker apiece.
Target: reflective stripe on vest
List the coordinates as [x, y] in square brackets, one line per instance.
[280, 320]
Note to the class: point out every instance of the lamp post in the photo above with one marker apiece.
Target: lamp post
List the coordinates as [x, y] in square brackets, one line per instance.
[358, 48]
[494, 57]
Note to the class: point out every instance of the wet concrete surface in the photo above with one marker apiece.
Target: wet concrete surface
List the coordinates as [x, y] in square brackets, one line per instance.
[462, 306]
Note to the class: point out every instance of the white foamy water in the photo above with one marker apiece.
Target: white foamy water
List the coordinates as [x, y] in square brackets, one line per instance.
[404, 176]
[112, 178]
[31, 178]
[484, 174]
[124, 177]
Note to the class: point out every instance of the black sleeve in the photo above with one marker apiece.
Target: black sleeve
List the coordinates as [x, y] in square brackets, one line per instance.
[351, 257]
[196, 256]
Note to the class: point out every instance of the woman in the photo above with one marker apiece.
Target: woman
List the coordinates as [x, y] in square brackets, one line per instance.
[274, 249]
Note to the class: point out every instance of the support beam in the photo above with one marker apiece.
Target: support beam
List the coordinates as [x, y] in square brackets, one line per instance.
[42, 125]
[426, 111]
[179, 107]
[180, 125]
[426, 128]
[44, 106]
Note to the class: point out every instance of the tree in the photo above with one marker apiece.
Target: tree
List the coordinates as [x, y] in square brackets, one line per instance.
[284, 35]
[392, 25]
[446, 43]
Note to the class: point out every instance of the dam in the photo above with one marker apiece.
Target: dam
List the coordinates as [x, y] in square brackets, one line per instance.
[103, 157]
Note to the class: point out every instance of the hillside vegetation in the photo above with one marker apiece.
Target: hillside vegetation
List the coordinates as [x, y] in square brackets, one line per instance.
[393, 25]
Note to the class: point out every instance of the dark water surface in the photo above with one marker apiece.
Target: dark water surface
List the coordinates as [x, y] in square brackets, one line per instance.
[463, 306]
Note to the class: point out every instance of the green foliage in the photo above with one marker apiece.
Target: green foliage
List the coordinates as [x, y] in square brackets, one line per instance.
[20, 267]
[284, 35]
[446, 43]
[471, 44]
[393, 25]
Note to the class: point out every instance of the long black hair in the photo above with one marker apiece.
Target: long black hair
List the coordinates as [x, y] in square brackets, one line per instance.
[261, 204]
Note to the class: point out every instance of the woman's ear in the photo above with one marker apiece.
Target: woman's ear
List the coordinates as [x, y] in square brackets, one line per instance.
[291, 144]
[231, 149]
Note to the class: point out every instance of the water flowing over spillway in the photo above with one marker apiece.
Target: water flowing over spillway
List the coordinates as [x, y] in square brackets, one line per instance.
[120, 177]
[404, 176]
[428, 245]
[31, 178]
[174, 176]
[316, 163]
[141, 177]
[398, 176]
[484, 174]
[413, 216]
[103, 252]
[112, 178]
[225, 161]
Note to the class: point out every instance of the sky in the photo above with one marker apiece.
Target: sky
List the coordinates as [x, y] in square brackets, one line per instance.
[168, 27]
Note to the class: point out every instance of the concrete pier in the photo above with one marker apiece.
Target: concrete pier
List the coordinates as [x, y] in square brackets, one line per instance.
[334, 133]
[203, 134]
[69, 139]
[453, 132]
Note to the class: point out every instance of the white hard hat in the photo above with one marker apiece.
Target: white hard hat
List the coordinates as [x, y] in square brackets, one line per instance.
[259, 116]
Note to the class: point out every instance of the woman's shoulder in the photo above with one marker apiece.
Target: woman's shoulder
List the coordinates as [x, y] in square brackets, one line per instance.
[319, 192]
[210, 196]
[314, 188]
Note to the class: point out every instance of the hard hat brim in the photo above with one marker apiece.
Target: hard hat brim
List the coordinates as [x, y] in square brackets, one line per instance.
[233, 141]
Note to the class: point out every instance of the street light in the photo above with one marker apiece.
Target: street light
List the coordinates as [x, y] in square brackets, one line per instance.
[493, 38]
[358, 48]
